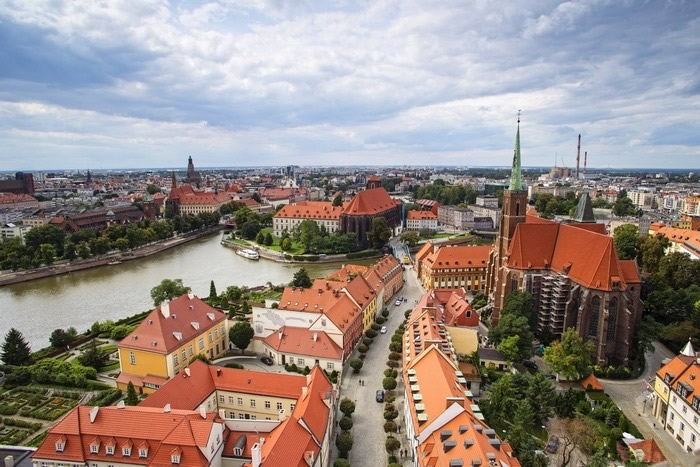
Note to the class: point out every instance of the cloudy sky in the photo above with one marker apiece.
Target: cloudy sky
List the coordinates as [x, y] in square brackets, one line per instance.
[144, 83]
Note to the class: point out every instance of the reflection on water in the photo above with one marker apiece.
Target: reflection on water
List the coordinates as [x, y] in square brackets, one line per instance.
[111, 292]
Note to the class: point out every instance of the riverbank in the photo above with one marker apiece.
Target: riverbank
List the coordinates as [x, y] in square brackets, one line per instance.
[106, 260]
[298, 259]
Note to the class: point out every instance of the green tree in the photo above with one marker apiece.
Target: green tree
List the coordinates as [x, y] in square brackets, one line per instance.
[380, 233]
[345, 423]
[627, 241]
[571, 356]
[308, 231]
[201, 357]
[48, 253]
[69, 251]
[99, 245]
[122, 244]
[50, 234]
[514, 325]
[60, 338]
[652, 249]
[542, 396]
[509, 347]
[260, 238]
[410, 237]
[502, 400]
[15, 349]
[268, 239]
[623, 207]
[340, 462]
[168, 289]
[392, 444]
[301, 279]
[344, 443]
[83, 250]
[356, 364]
[131, 397]
[521, 304]
[389, 384]
[152, 189]
[338, 200]
[93, 357]
[212, 291]
[120, 332]
[347, 406]
[241, 334]
[286, 244]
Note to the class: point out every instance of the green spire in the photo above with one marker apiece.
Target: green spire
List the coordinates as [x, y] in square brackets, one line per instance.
[516, 182]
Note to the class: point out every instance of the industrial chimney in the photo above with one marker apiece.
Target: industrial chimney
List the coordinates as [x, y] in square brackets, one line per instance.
[578, 154]
[585, 159]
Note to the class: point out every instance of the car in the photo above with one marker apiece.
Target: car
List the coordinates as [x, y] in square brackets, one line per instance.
[552, 445]
[379, 396]
[531, 365]
[267, 361]
[398, 302]
[383, 330]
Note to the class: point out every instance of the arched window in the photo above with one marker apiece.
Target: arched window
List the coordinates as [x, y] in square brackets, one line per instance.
[513, 283]
[517, 208]
[612, 318]
[595, 315]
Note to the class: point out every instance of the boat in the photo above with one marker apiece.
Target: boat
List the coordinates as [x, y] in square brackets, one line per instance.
[248, 253]
[116, 261]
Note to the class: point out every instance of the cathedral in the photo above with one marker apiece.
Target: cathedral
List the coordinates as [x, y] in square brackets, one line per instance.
[572, 271]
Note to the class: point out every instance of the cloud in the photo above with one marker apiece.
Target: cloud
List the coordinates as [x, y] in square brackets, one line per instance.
[270, 81]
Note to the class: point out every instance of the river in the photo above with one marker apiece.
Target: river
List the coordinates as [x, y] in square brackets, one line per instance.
[112, 292]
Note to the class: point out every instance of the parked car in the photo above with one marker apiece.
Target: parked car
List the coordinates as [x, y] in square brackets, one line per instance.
[379, 397]
[267, 361]
[552, 445]
[383, 330]
[398, 302]
[531, 365]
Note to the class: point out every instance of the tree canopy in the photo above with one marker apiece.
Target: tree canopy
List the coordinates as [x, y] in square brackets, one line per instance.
[301, 279]
[168, 289]
[15, 349]
[627, 241]
[380, 233]
[241, 333]
[570, 356]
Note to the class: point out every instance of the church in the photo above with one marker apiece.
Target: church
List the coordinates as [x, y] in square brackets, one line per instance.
[572, 271]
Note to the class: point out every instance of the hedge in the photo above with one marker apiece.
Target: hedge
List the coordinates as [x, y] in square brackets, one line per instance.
[105, 398]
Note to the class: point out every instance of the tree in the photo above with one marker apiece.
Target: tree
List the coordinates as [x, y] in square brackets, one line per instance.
[152, 189]
[48, 253]
[83, 250]
[521, 304]
[338, 200]
[347, 406]
[268, 239]
[578, 434]
[623, 207]
[241, 334]
[652, 249]
[131, 397]
[168, 289]
[509, 347]
[627, 241]
[340, 462]
[514, 325]
[392, 444]
[93, 357]
[502, 400]
[121, 244]
[379, 233]
[212, 291]
[15, 350]
[410, 237]
[571, 356]
[308, 230]
[120, 332]
[201, 357]
[344, 443]
[260, 238]
[60, 338]
[345, 423]
[390, 427]
[542, 396]
[389, 384]
[249, 230]
[356, 365]
[286, 244]
[69, 251]
[49, 234]
[301, 279]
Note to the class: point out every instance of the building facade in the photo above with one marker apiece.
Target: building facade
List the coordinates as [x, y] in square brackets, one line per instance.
[453, 266]
[357, 216]
[421, 220]
[458, 218]
[291, 215]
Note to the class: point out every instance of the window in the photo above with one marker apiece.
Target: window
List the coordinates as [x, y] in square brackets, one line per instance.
[612, 318]
[231, 414]
[672, 416]
[300, 361]
[240, 416]
[191, 350]
[221, 399]
[682, 427]
[279, 406]
[126, 452]
[685, 409]
[94, 448]
[175, 360]
[210, 338]
[230, 400]
[695, 419]
[216, 333]
[59, 446]
[252, 402]
[200, 344]
[110, 450]
[267, 404]
[692, 437]
[237, 452]
[253, 417]
[291, 407]
[674, 399]
[132, 358]
[240, 401]
[175, 458]
[184, 356]
[329, 366]
[291, 360]
[595, 315]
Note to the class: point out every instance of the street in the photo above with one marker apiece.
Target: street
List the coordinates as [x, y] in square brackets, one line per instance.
[368, 429]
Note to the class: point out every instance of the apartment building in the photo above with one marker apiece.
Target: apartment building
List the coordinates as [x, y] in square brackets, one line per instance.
[291, 215]
[421, 220]
[167, 339]
[454, 266]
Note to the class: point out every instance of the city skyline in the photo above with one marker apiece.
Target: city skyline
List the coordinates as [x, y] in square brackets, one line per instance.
[386, 83]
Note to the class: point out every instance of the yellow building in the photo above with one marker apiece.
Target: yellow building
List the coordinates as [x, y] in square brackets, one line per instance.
[364, 296]
[167, 339]
[453, 267]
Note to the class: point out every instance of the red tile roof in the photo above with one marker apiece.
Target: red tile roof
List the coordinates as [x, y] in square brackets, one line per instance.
[451, 305]
[369, 202]
[651, 452]
[310, 210]
[593, 382]
[421, 215]
[449, 257]
[305, 342]
[347, 272]
[171, 325]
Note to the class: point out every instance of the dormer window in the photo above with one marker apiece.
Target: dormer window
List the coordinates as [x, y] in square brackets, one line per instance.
[110, 450]
[175, 458]
[238, 452]
[60, 445]
[143, 452]
[94, 448]
[126, 452]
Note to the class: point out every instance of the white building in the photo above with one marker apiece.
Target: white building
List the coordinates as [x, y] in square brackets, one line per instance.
[421, 220]
[321, 212]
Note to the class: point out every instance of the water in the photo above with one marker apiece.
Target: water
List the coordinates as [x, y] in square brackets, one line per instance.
[112, 292]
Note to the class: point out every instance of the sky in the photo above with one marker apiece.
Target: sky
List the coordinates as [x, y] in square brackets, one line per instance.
[145, 83]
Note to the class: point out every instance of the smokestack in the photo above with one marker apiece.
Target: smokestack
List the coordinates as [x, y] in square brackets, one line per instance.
[578, 154]
[585, 159]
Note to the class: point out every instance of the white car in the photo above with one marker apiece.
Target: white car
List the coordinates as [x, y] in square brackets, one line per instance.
[382, 330]
[398, 302]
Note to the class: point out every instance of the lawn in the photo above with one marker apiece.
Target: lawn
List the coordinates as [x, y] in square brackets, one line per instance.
[108, 349]
[297, 248]
[111, 365]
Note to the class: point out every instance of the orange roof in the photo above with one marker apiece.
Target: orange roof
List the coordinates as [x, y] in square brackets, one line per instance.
[372, 201]
[651, 450]
[424, 251]
[630, 271]
[374, 280]
[449, 257]
[347, 272]
[204, 197]
[310, 210]
[421, 215]
[387, 266]
[592, 382]
[160, 432]
[688, 238]
[360, 291]
[451, 305]
[187, 392]
[305, 342]
[281, 193]
[558, 247]
[674, 368]
[171, 325]
[10, 198]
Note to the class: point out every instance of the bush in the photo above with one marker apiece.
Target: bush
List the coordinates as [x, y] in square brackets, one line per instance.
[120, 332]
[367, 341]
[105, 398]
[389, 384]
[389, 398]
[21, 424]
[345, 423]
[392, 444]
[392, 364]
[341, 463]
[371, 333]
[389, 427]
[389, 373]
[397, 338]
[344, 443]
[391, 414]
[362, 348]
[376, 327]
[385, 313]
[239, 366]
[361, 254]
[395, 347]
[395, 356]
[356, 365]
[407, 313]
[347, 406]
[380, 320]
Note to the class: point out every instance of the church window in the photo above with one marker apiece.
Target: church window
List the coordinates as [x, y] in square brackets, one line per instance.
[513, 283]
[612, 318]
[595, 315]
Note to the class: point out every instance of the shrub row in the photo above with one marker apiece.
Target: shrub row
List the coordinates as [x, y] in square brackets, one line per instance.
[105, 398]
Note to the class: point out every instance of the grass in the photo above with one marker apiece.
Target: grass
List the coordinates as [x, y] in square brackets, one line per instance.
[297, 248]
[110, 348]
[88, 343]
[598, 396]
[111, 365]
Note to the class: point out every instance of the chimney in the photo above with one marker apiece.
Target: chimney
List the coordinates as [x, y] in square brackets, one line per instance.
[280, 335]
[188, 372]
[9, 461]
[255, 454]
[585, 159]
[202, 411]
[218, 372]
[165, 309]
[166, 409]
[315, 336]
[93, 413]
[578, 154]
[121, 405]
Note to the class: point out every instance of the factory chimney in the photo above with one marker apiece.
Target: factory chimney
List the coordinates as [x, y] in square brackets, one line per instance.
[585, 159]
[578, 154]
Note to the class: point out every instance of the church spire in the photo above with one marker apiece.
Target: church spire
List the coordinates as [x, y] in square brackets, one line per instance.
[516, 182]
[173, 183]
